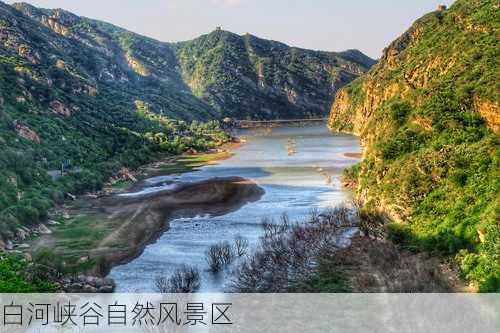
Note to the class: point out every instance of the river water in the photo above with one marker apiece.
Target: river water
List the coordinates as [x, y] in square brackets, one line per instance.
[299, 169]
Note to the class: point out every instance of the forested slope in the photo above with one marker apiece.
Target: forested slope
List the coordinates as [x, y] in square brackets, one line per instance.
[428, 115]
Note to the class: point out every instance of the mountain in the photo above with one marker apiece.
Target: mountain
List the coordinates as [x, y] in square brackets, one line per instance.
[217, 75]
[75, 94]
[91, 98]
[92, 59]
[429, 119]
[246, 77]
[81, 99]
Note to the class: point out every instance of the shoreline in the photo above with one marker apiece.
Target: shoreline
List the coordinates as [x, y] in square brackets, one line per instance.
[147, 217]
[118, 229]
[124, 226]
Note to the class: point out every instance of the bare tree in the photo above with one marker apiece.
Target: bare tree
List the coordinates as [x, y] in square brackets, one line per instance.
[240, 245]
[227, 253]
[213, 259]
[184, 280]
[289, 253]
[314, 215]
[219, 255]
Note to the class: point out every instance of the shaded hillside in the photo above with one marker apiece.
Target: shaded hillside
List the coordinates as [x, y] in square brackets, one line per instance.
[217, 75]
[88, 57]
[428, 115]
[246, 77]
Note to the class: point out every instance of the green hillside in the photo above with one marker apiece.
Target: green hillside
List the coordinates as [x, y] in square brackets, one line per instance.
[93, 97]
[246, 77]
[428, 115]
[68, 97]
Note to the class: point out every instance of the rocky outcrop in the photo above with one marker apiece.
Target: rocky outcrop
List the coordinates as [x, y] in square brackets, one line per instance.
[400, 73]
[60, 108]
[87, 284]
[26, 133]
[490, 111]
[136, 65]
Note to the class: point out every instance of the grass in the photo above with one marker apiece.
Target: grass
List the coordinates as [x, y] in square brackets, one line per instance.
[76, 238]
[80, 236]
[121, 185]
[189, 163]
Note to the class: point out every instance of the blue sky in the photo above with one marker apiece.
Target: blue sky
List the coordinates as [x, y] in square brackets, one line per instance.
[330, 25]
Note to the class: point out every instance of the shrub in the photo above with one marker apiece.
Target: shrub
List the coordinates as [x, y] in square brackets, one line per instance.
[219, 255]
[289, 253]
[19, 276]
[240, 245]
[184, 280]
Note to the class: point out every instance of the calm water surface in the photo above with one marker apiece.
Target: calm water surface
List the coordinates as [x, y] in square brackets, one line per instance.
[298, 167]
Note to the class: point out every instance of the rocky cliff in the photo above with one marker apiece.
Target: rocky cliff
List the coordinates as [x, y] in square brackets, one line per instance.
[428, 115]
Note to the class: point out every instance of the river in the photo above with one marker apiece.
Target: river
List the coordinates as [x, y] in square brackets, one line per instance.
[299, 169]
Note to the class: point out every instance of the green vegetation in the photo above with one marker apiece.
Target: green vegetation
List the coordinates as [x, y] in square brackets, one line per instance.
[246, 77]
[328, 279]
[77, 109]
[19, 276]
[191, 162]
[27, 191]
[432, 150]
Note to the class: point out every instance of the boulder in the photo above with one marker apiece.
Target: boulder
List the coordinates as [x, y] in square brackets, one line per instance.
[91, 280]
[89, 289]
[21, 234]
[74, 287]
[125, 174]
[44, 230]
[71, 196]
[26, 133]
[83, 260]
[106, 289]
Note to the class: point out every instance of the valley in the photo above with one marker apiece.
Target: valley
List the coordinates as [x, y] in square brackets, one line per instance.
[140, 160]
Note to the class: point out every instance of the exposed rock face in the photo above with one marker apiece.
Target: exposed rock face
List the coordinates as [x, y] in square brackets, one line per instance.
[26, 52]
[490, 111]
[136, 65]
[428, 117]
[60, 109]
[27, 133]
[42, 229]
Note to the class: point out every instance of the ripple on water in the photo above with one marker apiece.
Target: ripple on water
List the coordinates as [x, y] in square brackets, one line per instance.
[292, 184]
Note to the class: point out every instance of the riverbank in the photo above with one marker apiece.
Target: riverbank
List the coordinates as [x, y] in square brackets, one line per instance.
[338, 251]
[97, 231]
[114, 230]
